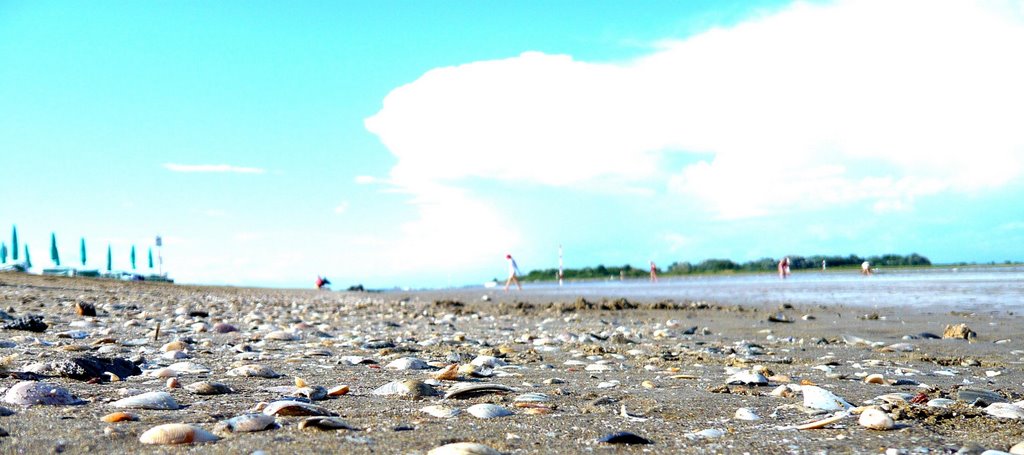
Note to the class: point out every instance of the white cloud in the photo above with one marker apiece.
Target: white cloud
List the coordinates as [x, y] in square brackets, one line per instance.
[341, 208]
[212, 168]
[817, 105]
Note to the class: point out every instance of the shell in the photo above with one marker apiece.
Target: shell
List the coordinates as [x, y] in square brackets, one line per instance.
[437, 410]
[823, 422]
[488, 411]
[161, 373]
[407, 363]
[148, 400]
[874, 379]
[818, 398]
[246, 423]
[313, 393]
[532, 397]
[253, 370]
[623, 437]
[1005, 411]
[296, 408]
[173, 383]
[409, 388]
[463, 448]
[747, 378]
[940, 403]
[488, 361]
[176, 433]
[475, 371]
[448, 373]
[337, 391]
[281, 335]
[746, 414]
[325, 424]
[300, 383]
[876, 419]
[119, 416]
[209, 388]
[29, 393]
[176, 345]
[188, 368]
[474, 389]
[222, 327]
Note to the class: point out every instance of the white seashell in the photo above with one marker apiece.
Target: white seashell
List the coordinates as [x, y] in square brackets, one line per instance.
[488, 411]
[296, 408]
[148, 400]
[188, 368]
[1017, 449]
[710, 433]
[409, 388]
[281, 335]
[29, 393]
[876, 419]
[161, 373]
[1005, 411]
[253, 370]
[473, 389]
[823, 422]
[246, 423]
[407, 363]
[940, 403]
[599, 367]
[440, 411]
[463, 448]
[174, 355]
[818, 398]
[208, 388]
[747, 378]
[176, 433]
[532, 397]
[746, 414]
[488, 361]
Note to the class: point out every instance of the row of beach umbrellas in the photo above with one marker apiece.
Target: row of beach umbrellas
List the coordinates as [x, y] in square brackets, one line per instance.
[55, 254]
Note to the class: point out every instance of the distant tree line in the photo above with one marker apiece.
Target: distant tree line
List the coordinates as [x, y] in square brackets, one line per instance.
[729, 266]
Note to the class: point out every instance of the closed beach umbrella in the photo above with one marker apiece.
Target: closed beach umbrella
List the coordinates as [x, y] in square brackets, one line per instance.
[3, 253]
[14, 243]
[28, 259]
[133, 257]
[53, 249]
[110, 262]
[151, 258]
[83, 251]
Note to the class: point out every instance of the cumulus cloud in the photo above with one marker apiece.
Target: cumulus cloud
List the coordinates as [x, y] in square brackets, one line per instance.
[220, 168]
[854, 102]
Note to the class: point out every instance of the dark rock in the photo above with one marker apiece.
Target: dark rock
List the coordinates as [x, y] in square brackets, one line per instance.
[690, 331]
[85, 309]
[89, 367]
[624, 437]
[198, 313]
[779, 317]
[929, 336]
[30, 323]
[378, 344]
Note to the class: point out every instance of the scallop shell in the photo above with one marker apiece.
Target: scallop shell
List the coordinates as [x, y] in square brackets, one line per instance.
[325, 424]
[463, 448]
[208, 388]
[407, 363]
[874, 379]
[253, 370]
[448, 373]
[818, 398]
[940, 403]
[474, 389]
[119, 416]
[408, 388]
[176, 345]
[876, 419]
[532, 397]
[161, 373]
[488, 361]
[296, 408]
[246, 423]
[188, 368]
[176, 433]
[488, 411]
[440, 411]
[337, 391]
[29, 393]
[313, 393]
[148, 400]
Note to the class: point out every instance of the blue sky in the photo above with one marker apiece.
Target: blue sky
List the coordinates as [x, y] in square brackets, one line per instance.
[415, 143]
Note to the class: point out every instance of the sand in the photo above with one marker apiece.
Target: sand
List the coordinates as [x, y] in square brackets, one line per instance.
[548, 343]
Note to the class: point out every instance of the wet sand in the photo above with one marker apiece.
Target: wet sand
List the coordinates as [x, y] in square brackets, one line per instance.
[670, 382]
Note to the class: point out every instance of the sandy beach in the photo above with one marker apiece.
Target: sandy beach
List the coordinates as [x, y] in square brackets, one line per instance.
[570, 370]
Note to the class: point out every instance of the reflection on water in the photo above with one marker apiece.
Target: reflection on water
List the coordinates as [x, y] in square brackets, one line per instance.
[997, 287]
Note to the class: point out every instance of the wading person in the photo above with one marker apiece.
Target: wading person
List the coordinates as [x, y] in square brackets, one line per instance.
[513, 272]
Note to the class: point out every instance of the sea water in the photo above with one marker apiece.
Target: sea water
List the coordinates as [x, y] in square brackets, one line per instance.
[974, 287]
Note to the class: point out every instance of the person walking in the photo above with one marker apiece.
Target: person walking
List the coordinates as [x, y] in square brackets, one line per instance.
[654, 272]
[513, 272]
[784, 268]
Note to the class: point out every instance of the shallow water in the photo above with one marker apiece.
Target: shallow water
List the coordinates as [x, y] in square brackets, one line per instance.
[972, 287]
